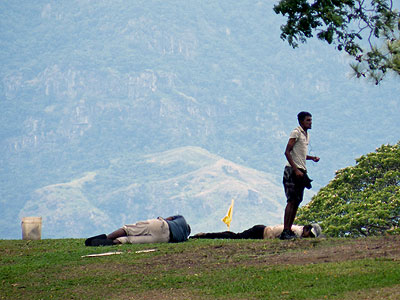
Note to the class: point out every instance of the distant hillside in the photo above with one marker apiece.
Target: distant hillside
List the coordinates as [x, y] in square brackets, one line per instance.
[188, 181]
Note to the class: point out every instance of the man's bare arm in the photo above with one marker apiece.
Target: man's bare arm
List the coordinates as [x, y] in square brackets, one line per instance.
[289, 148]
[313, 158]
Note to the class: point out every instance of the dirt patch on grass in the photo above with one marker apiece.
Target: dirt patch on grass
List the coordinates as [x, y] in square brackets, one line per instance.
[305, 251]
[198, 257]
[270, 253]
[255, 253]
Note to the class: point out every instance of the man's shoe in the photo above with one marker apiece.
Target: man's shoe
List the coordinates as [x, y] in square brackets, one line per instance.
[287, 235]
[88, 242]
[102, 242]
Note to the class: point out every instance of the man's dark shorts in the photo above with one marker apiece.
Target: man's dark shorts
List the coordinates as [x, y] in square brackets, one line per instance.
[294, 188]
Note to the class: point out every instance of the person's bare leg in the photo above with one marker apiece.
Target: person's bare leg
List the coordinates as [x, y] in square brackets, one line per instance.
[116, 234]
[290, 215]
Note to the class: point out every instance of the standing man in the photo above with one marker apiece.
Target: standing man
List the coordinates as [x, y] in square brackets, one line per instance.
[295, 177]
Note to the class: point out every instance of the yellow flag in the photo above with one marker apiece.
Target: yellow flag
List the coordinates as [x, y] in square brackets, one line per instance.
[228, 218]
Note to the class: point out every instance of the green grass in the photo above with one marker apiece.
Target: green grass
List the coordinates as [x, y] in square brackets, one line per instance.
[207, 269]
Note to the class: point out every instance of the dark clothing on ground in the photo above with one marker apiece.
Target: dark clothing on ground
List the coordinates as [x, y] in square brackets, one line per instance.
[255, 232]
[179, 229]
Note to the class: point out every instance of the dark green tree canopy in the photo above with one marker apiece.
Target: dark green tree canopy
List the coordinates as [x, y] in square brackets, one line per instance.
[362, 200]
[366, 30]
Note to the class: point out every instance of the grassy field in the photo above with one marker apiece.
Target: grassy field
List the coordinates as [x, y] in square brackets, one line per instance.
[366, 268]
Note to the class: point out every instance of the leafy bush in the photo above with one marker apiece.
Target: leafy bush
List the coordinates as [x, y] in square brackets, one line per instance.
[361, 200]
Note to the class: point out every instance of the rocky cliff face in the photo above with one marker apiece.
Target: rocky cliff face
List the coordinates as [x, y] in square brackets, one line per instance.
[78, 103]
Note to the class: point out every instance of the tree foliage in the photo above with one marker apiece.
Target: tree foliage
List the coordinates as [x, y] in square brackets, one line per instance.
[361, 200]
[346, 24]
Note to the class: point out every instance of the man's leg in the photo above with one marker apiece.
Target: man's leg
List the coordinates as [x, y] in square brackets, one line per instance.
[290, 215]
[255, 232]
[297, 198]
[291, 207]
[106, 240]
[146, 232]
[216, 235]
[294, 193]
[116, 234]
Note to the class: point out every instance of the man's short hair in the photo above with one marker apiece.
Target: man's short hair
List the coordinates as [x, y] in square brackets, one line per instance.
[302, 115]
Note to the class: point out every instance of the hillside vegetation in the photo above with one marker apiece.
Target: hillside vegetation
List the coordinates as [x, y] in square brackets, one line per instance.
[361, 200]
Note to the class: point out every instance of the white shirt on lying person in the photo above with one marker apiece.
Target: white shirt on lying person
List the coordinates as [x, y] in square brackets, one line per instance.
[272, 232]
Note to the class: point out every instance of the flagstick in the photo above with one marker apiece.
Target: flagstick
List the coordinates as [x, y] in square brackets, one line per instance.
[228, 218]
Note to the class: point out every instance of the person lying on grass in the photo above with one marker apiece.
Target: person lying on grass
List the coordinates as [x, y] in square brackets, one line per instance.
[173, 229]
[263, 232]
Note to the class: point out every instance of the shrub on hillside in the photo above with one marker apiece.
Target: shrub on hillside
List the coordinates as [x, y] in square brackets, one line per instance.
[361, 200]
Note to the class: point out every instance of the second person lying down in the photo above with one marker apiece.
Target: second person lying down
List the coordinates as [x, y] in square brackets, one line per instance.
[263, 232]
